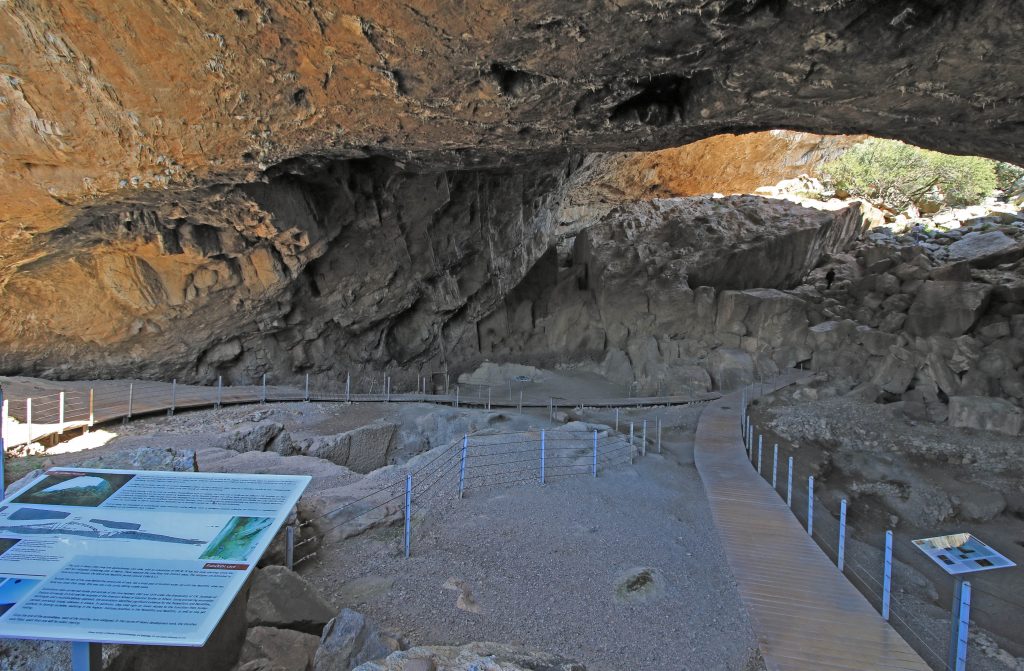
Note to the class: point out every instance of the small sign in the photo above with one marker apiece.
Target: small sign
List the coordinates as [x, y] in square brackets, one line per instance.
[962, 553]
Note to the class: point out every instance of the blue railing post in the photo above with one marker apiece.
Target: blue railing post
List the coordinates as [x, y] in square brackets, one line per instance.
[462, 466]
[842, 535]
[542, 456]
[595, 453]
[963, 623]
[408, 511]
[810, 505]
[3, 450]
[789, 485]
[887, 576]
[775, 466]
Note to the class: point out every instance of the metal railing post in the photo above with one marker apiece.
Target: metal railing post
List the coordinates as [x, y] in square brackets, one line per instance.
[60, 417]
[3, 450]
[810, 506]
[28, 419]
[643, 443]
[789, 485]
[131, 401]
[456, 396]
[289, 553]
[305, 394]
[595, 453]
[542, 456]
[551, 409]
[520, 401]
[616, 420]
[659, 435]
[775, 466]
[887, 576]
[462, 466]
[263, 390]
[348, 387]
[488, 398]
[408, 512]
[92, 411]
[841, 555]
[174, 394]
[220, 387]
[631, 443]
[759, 450]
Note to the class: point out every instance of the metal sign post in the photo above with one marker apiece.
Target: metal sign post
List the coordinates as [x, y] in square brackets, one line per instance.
[958, 555]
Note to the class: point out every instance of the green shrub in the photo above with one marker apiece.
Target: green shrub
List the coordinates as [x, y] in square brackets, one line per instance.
[899, 174]
[1007, 174]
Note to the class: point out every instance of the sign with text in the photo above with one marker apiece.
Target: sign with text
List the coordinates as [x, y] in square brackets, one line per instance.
[962, 553]
[150, 557]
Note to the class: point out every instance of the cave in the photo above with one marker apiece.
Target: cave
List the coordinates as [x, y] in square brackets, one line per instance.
[336, 238]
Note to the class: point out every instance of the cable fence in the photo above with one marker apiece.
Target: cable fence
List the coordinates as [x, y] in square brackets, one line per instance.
[83, 405]
[828, 527]
[475, 462]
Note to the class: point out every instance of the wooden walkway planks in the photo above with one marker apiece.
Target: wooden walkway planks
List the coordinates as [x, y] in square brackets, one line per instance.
[806, 614]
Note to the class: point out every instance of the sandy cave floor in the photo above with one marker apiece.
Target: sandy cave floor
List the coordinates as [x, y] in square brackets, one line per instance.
[541, 564]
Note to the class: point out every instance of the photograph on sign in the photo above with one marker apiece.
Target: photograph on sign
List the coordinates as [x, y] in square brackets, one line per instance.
[962, 553]
[148, 557]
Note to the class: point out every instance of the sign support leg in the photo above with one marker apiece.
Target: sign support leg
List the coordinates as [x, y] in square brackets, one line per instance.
[86, 656]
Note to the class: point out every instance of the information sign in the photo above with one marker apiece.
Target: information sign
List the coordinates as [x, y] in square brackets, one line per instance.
[962, 553]
[143, 557]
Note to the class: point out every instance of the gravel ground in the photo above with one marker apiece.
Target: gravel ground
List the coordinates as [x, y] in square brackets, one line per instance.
[546, 566]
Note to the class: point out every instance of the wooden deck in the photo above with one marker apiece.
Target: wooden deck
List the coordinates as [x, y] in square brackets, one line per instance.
[805, 613]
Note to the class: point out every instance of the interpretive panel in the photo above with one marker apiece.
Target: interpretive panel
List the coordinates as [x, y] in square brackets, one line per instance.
[962, 553]
[147, 557]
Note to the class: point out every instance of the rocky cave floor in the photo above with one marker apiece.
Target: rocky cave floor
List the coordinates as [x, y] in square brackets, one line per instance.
[546, 566]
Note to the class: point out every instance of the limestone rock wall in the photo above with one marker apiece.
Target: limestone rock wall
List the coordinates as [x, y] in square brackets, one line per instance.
[323, 267]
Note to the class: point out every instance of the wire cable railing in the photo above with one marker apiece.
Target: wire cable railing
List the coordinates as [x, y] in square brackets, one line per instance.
[464, 465]
[836, 538]
[82, 405]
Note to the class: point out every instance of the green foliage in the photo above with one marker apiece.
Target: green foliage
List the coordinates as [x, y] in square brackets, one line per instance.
[899, 174]
[1007, 174]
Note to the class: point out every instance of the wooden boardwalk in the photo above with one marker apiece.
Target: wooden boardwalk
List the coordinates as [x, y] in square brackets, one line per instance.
[85, 404]
[807, 616]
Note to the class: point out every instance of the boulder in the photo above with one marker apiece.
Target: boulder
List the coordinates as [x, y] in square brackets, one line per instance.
[896, 372]
[986, 250]
[985, 413]
[278, 649]
[472, 657]
[349, 640]
[946, 308]
[145, 459]
[251, 437]
[370, 446]
[730, 368]
[284, 599]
